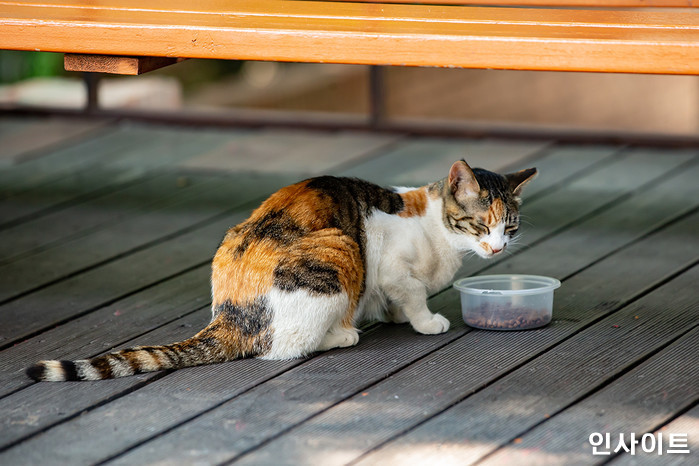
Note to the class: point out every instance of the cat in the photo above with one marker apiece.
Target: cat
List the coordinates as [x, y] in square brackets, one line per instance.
[321, 255]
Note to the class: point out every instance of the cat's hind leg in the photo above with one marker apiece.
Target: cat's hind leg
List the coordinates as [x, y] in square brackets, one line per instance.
[301, 322]
[339, 337]
[316, 290]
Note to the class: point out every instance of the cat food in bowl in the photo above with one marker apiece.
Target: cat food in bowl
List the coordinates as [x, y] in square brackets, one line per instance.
[507, 302]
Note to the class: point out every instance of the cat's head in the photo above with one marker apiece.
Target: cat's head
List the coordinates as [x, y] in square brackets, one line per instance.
[481, 208]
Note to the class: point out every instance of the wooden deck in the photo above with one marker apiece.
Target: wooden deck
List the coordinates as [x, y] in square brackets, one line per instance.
[107, 230]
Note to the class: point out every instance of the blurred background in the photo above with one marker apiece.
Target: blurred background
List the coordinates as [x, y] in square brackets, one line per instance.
[590, 101]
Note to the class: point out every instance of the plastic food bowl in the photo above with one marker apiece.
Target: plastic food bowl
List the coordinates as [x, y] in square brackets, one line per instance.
[507, 302]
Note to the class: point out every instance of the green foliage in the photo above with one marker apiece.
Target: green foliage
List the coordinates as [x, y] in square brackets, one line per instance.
[16, 65]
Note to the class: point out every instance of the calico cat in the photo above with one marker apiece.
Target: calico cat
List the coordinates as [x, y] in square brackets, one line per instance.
[318, 257]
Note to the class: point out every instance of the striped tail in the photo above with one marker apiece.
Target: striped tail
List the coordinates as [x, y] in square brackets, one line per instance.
[203, 348]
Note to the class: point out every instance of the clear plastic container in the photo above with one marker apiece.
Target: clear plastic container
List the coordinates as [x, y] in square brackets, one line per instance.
[507, 302]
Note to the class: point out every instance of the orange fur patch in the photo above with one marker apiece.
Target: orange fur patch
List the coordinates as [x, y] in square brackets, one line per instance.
[242, 279]
[306, 206]
[415, 203]
[495, 213]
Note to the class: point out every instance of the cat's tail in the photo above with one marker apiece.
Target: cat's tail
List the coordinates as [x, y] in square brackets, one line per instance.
[207, 347]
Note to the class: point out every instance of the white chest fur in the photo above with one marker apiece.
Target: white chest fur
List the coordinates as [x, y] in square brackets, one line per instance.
[401, 247]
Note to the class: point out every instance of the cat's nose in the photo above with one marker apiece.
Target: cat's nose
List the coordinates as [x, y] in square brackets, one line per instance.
[495, 250]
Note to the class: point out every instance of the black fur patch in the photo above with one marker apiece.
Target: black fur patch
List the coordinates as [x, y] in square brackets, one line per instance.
[496, 185]
[276, 225]
[251, 319]
[308, 274]
[69, 370]
[357, 195]
[354, 199]
[36, 372]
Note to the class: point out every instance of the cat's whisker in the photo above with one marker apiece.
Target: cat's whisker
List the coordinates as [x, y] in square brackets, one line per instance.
[525, 221]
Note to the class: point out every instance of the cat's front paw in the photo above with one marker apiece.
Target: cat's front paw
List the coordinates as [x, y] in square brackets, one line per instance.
[435, 323]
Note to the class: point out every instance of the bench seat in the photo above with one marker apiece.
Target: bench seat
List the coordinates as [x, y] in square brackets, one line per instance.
[609, 40]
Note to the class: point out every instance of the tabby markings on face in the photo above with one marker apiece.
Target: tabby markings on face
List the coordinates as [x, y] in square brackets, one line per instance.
[485, 208]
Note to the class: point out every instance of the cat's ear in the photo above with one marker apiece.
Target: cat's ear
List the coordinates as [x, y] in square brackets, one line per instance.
[462, 181]
[519, 179]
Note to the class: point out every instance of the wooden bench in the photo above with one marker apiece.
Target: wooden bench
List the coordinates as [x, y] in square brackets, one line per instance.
[134, 36]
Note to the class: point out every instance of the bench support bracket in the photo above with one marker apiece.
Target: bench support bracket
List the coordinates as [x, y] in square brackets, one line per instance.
[115, 64]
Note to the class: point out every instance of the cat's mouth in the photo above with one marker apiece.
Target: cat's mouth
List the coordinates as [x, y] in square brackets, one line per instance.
[490, 251]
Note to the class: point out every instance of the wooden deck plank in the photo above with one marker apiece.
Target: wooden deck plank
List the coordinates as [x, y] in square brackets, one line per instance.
[109, 326]
[77, 220]
[686, 424]
[424, 160]
[303, 152]
[9, 124]
[623, 406]
[95, 288]
[108, 166]
[18, 178]
[256, 428]
[480, 420]
[177, 209]
[33, 138]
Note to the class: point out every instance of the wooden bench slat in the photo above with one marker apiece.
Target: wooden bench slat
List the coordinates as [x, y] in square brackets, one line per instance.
[557, 3]
[216, 11]
[383, 34]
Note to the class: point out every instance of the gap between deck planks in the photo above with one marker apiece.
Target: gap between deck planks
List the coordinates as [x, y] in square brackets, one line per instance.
[685, 424]
[25, 139]
[70, 176]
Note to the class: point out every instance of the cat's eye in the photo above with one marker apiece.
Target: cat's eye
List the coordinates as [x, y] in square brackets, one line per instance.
[483, 228]
[466, 227]
[511, 230]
